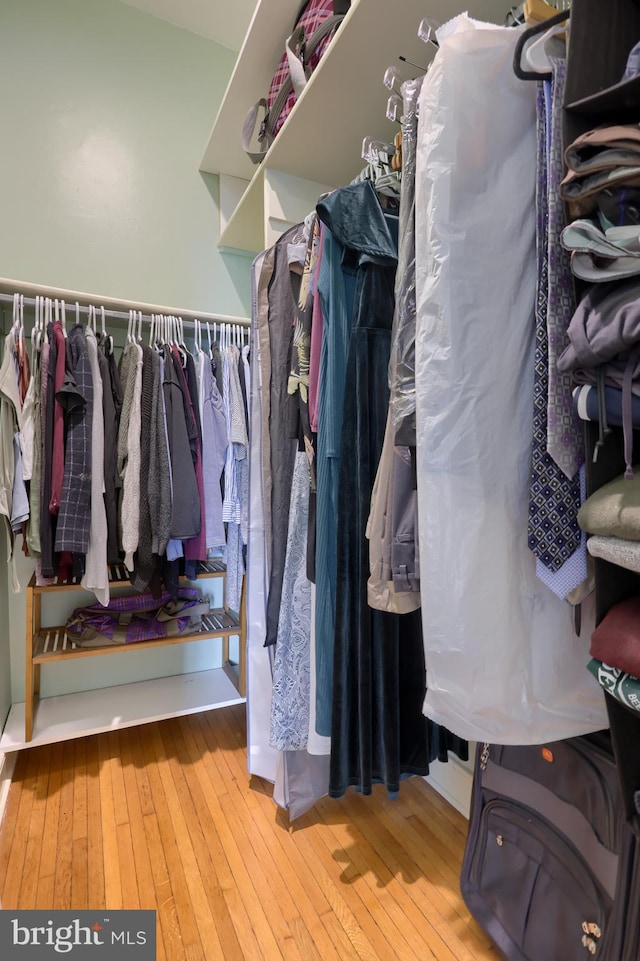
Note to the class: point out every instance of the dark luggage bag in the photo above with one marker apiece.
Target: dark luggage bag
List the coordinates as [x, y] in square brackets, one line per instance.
[551, 869]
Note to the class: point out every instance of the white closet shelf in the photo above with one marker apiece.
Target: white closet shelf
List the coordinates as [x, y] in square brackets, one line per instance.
[69, 716]
[344, 101]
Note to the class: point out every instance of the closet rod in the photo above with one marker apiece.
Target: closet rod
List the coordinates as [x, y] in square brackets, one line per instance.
[113, 306]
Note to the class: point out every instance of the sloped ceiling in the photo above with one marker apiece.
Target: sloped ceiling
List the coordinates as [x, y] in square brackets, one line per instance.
[224, 21]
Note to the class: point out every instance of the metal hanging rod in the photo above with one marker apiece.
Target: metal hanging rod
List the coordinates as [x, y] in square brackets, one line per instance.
[114, 307]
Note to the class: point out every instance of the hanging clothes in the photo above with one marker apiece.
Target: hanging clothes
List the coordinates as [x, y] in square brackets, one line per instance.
[35, 489]
[96, 574]
[185, 510]
[291, 671]
[283, 424]
[392, 529]
[76, 398]
[214, 447]
[47, 525]
[144, 562]
[111, 407]
[503, 662]
[291, 668]
[263, 759]
[378, 732]
[337, 290]
[195, 548]
[9, 425]
[57, 469]
[159, 468]
[130, 504]
[115, 436]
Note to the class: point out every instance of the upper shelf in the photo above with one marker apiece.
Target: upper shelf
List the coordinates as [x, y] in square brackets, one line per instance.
[259, 55]
[345, 99]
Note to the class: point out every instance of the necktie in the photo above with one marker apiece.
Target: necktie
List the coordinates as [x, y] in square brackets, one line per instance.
[553, 532]
[565, 440]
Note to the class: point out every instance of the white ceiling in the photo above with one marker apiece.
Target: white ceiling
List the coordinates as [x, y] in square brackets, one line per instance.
[220, 20]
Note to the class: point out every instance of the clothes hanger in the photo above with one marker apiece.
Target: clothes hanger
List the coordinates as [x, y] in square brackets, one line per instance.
[37, 330]
[529, 34]
[392, 79]
[63, 318]
[21, 315]
[427, 31]
[18, 325]
[14, 320]
[182, 347]
[535, 54]
[108, 339]
[35, 346]
[394, 109]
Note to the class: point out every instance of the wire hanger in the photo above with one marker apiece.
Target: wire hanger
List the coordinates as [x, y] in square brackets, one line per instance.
[528, 35]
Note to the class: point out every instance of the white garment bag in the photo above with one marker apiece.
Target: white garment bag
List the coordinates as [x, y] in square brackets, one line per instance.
[263, 759]
[503, 662]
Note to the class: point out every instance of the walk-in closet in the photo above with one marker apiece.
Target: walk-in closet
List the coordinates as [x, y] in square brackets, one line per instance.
[320, 617]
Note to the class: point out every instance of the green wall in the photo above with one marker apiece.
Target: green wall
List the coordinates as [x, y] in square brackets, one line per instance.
[105, 113]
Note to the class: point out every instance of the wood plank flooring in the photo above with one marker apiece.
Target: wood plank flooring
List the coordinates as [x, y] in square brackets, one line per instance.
[164, 816]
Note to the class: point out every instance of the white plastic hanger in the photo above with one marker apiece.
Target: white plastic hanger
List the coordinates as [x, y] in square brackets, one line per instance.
[18, 323]
[535, 54]
[35, 332]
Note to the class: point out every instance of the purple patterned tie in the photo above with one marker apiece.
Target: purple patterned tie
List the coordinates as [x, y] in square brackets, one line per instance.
[565, 440]
[553, 533]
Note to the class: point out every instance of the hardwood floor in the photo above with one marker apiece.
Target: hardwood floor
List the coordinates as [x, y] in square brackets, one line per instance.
[164, 816]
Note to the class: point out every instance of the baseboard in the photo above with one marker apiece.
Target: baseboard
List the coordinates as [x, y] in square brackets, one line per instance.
[453, 781]
[7, 764]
